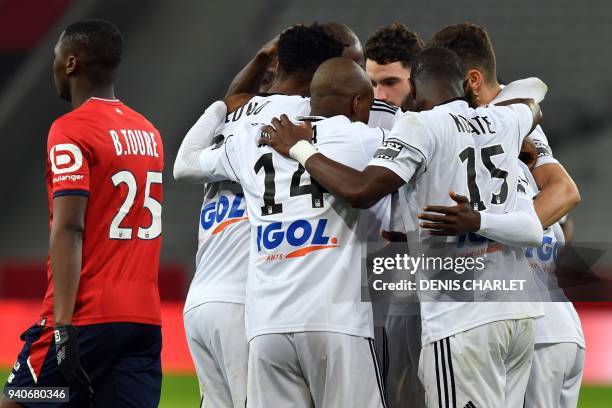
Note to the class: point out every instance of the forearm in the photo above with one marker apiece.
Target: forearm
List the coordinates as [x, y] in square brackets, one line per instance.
[518, 228]
[66, 248]
[342, 181]
[250, 77]
[555, 200]
[199, 137]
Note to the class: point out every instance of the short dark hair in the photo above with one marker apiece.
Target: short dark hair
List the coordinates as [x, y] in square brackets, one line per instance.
[393, 43]
[437, 63]
[473, 45]
[100, 40]
[301, 49]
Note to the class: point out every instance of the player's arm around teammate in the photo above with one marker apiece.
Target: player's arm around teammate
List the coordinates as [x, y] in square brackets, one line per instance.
[558, 192]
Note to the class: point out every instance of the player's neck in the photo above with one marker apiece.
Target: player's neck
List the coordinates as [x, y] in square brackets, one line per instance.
[435, 99]
[81, 92]
[290, 86]
[488, 93]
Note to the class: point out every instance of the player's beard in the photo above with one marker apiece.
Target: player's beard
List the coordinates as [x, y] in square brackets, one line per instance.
[471, 97]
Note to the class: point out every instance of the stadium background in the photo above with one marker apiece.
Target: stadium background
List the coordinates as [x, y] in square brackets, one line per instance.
[180, 56]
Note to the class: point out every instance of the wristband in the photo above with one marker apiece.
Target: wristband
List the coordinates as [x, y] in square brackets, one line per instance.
[301, 151]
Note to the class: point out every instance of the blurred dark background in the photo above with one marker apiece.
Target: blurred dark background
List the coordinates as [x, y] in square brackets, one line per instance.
[181, 55]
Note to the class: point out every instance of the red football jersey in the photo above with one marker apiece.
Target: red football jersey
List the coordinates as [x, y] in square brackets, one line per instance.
[106, 151]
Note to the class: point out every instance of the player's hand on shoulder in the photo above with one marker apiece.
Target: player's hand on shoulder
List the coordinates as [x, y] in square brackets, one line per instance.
[282, 134]
[67, 352]
[270, 49]
[450, 220]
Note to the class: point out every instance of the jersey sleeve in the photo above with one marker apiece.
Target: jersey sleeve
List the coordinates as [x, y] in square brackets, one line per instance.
[371, 139]
[68, 160]
[219, 161]
[543, 150]
[525, 118]
[406, 149]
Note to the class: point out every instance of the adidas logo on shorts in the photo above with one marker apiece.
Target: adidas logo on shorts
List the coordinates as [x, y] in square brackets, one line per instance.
[470, 404]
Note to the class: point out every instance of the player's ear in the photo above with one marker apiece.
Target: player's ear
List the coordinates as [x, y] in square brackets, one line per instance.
[71, 65]
[475, 79]
[355, 105]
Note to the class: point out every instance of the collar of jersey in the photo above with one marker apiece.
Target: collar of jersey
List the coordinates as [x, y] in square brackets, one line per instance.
[310, 118]
[95, 98]
[460, 98]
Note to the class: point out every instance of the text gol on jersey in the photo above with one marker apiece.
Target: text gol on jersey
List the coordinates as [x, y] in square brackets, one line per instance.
[221, 214]
[304, 235]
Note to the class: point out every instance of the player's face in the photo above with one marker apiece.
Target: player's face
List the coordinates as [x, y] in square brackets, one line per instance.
[268, 78]
[60, 77]
[390, 81]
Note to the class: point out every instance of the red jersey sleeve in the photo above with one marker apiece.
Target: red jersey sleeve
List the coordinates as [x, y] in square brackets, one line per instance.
[68, 160]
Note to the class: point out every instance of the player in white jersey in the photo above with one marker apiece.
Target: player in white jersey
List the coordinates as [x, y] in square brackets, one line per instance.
[558, 192]
[310, 334]
[214, 309]
[558, 360]
[425, 155]
[249, 79]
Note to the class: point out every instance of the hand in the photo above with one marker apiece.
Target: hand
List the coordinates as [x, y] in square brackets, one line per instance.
[282, 135]
[458, 219]
[67, 350]
[234, 102]
[270, 49]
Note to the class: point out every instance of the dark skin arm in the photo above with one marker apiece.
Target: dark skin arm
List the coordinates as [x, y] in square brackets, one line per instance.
[455, 220]
[66, 248]
[361, 189]
[249, 78]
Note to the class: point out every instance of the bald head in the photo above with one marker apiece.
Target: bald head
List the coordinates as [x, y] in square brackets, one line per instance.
[352, 45]
[341, 87]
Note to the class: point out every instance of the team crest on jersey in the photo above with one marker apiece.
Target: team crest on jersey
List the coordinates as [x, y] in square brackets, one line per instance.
[389, 150]
[65, 158]
[301, 236]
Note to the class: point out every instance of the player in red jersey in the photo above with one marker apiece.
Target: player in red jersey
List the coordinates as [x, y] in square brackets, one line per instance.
[104, 181]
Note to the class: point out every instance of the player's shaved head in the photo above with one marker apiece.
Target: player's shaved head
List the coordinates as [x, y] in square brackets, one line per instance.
[349, 39]
[341, 87]
[90, 50]
[437, 75]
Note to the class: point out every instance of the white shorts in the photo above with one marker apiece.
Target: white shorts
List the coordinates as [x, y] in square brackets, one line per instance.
[404, 388]
[555, 376]
[487, 366]
[313, 369]
[218, 345]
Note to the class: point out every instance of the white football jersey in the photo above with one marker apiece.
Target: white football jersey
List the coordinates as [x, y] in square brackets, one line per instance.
[223, 232]
[561, 323]
[306, 245]
[456, 148]
[543, 150]
[383, 115]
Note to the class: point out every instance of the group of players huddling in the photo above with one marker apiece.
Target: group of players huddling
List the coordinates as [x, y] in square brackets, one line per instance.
[318, 148]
